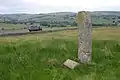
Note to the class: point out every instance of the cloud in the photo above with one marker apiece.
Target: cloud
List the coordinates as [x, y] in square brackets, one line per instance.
[45, 6]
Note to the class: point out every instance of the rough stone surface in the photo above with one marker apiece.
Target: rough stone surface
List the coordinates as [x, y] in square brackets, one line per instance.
[84, 37]
[71, 64]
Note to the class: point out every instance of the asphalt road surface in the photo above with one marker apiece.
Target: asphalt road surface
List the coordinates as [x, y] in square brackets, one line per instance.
[13, 31]
[25, 31]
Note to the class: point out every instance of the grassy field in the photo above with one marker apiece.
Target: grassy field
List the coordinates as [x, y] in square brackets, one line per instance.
[41, 56]
[20, 26]
[11, 26]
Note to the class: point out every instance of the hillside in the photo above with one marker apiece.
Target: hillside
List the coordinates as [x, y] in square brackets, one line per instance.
[63, 18]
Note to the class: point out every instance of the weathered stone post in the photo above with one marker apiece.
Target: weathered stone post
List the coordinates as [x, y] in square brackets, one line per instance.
[84, 40]
[84, 37]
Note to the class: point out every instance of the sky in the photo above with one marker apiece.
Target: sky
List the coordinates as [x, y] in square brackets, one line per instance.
[49, 6]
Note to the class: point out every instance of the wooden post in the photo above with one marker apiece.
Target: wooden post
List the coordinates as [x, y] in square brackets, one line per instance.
[85, 37]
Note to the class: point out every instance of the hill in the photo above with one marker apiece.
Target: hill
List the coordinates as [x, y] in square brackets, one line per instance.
[62, 18]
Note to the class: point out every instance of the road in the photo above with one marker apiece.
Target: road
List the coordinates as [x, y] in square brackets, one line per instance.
[25, 31]
[13, 31]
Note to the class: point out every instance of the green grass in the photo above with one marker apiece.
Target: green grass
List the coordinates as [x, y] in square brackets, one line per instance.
[11, 26]
[41, 56]
[19, 26]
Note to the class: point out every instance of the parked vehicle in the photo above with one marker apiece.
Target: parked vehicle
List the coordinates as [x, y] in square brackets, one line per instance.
[35, 28]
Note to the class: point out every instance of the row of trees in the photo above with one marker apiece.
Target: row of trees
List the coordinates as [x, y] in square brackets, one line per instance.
[104, 24]
[58, 24]
[44, 23]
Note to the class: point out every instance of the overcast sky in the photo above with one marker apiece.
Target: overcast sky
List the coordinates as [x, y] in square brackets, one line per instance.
[48, 6]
